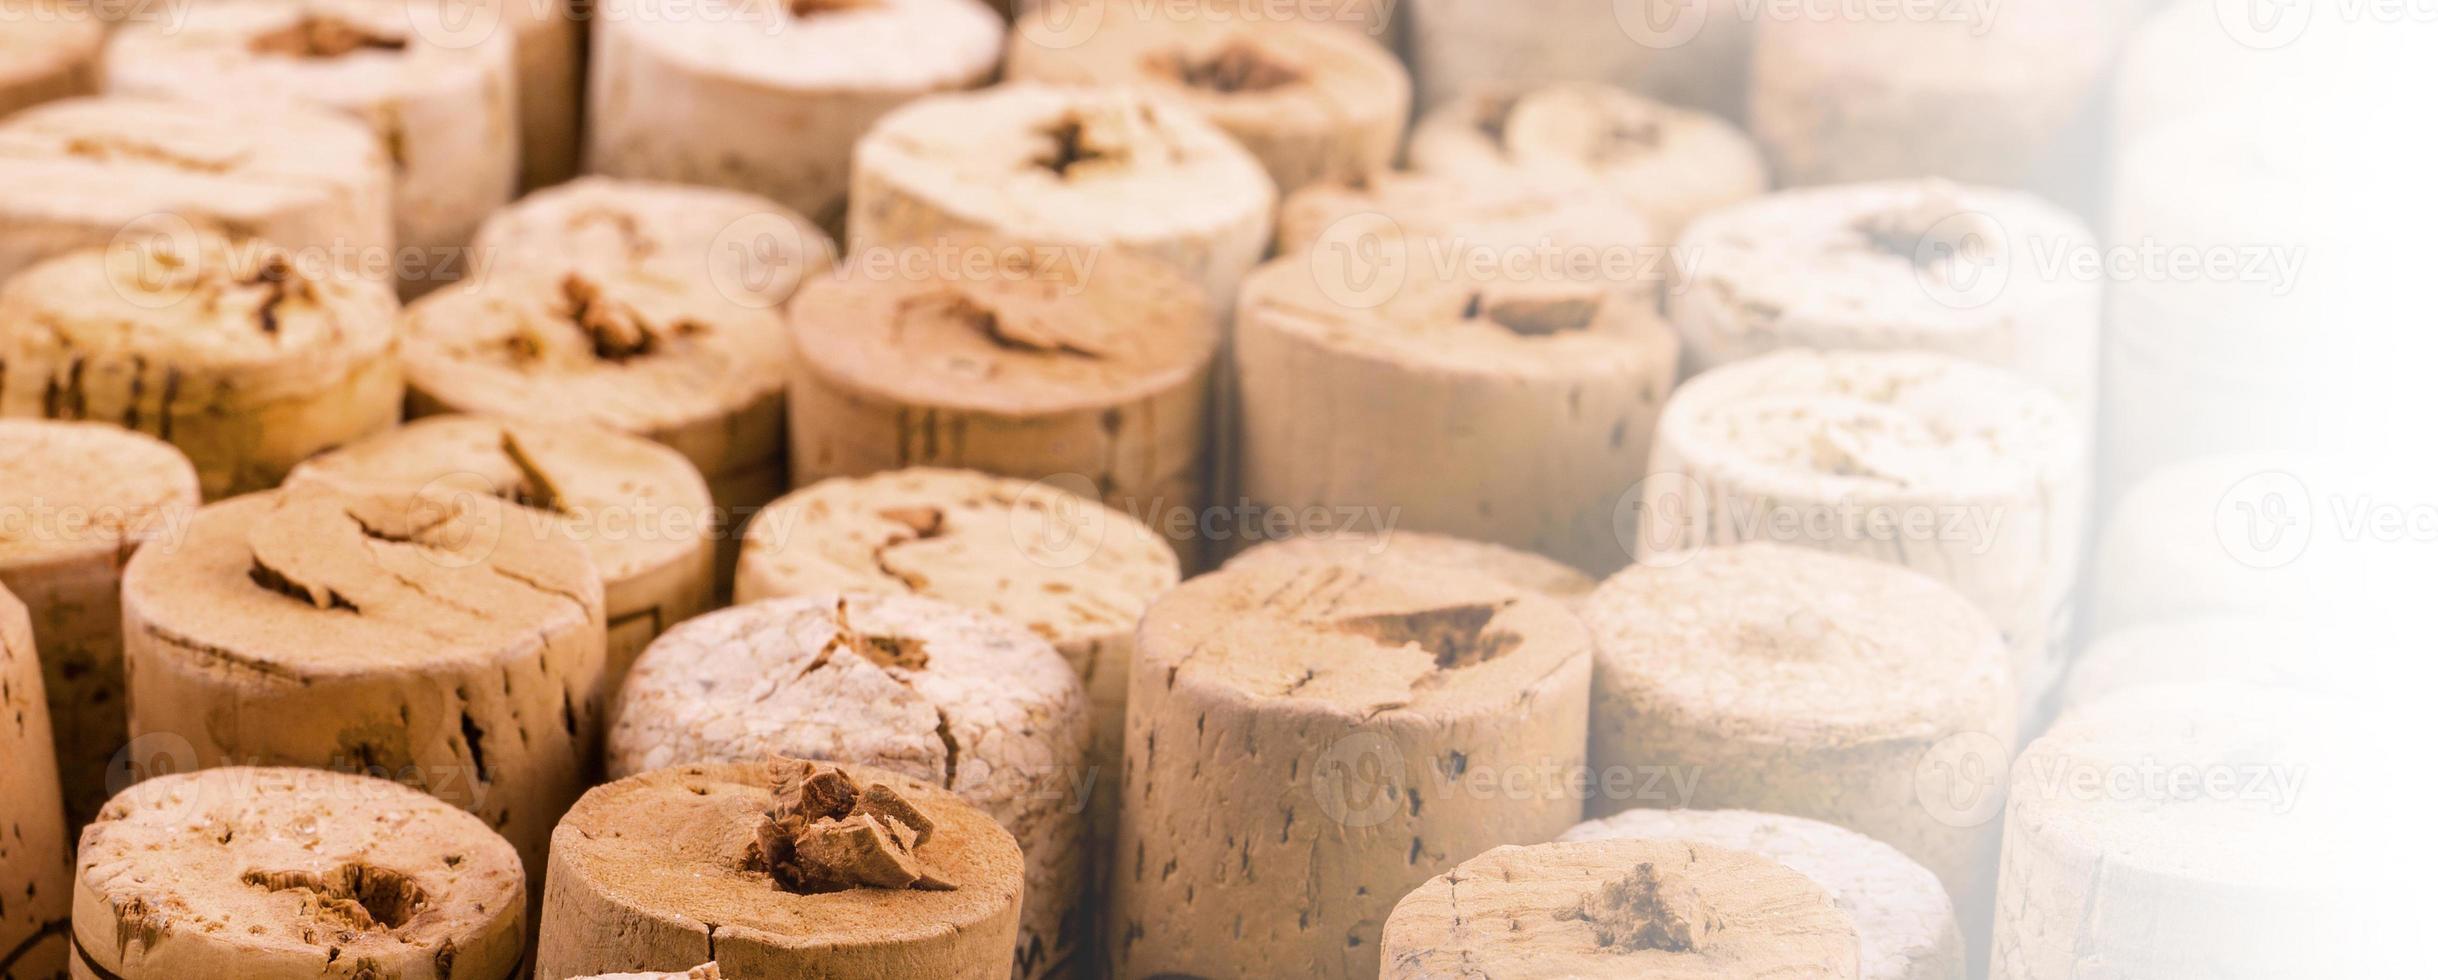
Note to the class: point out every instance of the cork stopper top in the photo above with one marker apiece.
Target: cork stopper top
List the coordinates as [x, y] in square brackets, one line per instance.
[1586, 126]
[1041, 330]
[1346, 640]
[1637, 908]
[1236, 72]
[82, 489]
[130, 156]
[752, 249]
[820, 45]
[289, 874]
[1419, 549]
[313, 581]
[345, 53]
[1066, 568]
[633, 504]
[1533, 212]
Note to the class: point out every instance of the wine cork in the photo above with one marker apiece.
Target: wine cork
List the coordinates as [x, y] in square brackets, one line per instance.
[441, 97]
[1671, 164]
[1091, 167]
[1541, 389]
[674, 362]
[1903, 921]
[33, 835]
[667, 869]
[1642, 908]
[80, 173]
[1314, 103]
[914, 686]
[1684, 53]
[76, 499]
[49, 52]
[1896, 265]
[1798, 682]
[1419, 549]
[638, 508]
[752, 249]
[1951, 468]
[549, 69]
[2265, 651]
[1305, 744]
[288, 874]
[452, 643]
[770, 96]
[237, 354]
[1582, 218]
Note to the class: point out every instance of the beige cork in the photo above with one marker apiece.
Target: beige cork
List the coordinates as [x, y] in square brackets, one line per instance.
[914, 686]
[752, 249]
[770, 97]
[78, 498]
[439, 93]
[450, 642]
[664, 870]
[1902, 918]
[1314, 103]
[1418, 549]
[82, 173]
[1543, 219]
[1641, 908]
[1683, 52]
[638, 508]
[1672, 164]
[50, 51]
[1307, 743]
[34, 847]
[549, 69]
[240, 355]
[293, 874]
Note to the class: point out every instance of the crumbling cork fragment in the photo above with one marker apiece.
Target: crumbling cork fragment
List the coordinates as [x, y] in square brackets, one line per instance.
[49, 52]
[752, 249]
[34, 848]
[1411, 549]
[823, 833]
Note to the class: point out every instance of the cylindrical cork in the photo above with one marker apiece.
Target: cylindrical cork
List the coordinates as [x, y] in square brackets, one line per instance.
[1419, 549]
[1305, 744]
[1541, 219]
[781, 869]
[770, 97]
[672, 361]
[1671, 164]
[1622, 908]
[450, 642]
[2182, 61]
[1094, 167]
[50, 51]
[549, 70]
[915, 686]
[638, 508]
[1542, 389]
[2260, 650]
[1903, 920]
[2219, 535]
[1314, 103]
[293, 874]
[33, 829]
[752, 249]
[1684, 52]
[84, 172]
[439, 94]
[1899, 265]
[78, 498]
[237, 354]
[1954, 469]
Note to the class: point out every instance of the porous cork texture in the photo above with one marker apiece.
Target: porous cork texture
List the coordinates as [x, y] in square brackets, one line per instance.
[440, 95]
[293, 874]
[752, 249]
[83, 496]
[88, 172]
[1314, 103]
[1543, 390]
[769, 98]
[449, 642]
[915, 686]
[1952, 468]
[1903, 920]
[34, 849]
[49, 52]
[238, 354]
[2265, 651]
[1671, 164]
[1683, 53]
[1419, 549]
[637, 507]
[654, 873]
[670, 360]
[1298, 743]
[1640, 908]
[1896, 265]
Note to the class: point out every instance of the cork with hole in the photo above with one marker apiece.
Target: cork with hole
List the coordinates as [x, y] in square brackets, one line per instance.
[292, 874]
[1306, 744]
[1420, 549]
[753, 250]
[242, 355]
[637, 507]
[1641, 908]
[769, 98]
[666, 870]
[34, 848]
[451, 642]
[1691, 53]
[915, 686]
[49, 52]
[86, 495]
